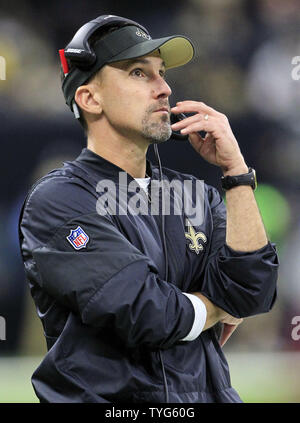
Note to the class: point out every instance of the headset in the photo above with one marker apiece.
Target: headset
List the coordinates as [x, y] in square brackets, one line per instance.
[80, 54]
[177, 135]
[79, 49]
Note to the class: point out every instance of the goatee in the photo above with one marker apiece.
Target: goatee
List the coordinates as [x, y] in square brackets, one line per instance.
[159, 131]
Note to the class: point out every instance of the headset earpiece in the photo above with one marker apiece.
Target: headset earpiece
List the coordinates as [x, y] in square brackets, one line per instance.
[79, 50]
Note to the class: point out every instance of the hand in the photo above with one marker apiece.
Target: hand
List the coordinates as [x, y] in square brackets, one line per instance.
[229, 326]
[219, 146]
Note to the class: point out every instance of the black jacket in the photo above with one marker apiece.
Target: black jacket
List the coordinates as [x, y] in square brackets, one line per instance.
[109, 317]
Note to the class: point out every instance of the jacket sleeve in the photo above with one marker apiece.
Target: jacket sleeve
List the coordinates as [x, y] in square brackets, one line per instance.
[241, 283]
[108, 283]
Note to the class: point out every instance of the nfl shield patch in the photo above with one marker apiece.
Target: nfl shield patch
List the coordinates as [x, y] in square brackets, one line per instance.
[78, 238]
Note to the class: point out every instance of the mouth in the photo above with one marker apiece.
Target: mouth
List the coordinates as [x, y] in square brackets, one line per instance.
[163, 110]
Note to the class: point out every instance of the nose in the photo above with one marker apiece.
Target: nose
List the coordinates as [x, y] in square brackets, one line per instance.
[161, 89]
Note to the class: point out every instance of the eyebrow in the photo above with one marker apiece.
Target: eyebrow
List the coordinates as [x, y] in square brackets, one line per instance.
[132, 62]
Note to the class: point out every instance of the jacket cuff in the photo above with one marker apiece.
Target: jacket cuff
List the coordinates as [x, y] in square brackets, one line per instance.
[200, 317]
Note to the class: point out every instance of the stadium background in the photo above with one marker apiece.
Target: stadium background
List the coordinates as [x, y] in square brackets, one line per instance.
[243, 67]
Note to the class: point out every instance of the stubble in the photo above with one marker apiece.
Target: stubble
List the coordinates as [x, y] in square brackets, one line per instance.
[156, 130]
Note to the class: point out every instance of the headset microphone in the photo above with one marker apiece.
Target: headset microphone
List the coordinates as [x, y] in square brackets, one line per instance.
[177, 135]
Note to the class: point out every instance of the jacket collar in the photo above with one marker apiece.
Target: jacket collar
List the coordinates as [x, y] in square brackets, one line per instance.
[104, 168]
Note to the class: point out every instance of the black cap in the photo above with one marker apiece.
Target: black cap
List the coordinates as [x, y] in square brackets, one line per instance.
[127, 42]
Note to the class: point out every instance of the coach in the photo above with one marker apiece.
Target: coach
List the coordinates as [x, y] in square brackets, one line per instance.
[130, 303]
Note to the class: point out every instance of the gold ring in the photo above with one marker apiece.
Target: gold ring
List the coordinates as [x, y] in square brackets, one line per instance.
[206, 117]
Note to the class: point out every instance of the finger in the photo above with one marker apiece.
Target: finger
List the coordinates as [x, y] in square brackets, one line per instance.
[189, 106]
[227, 332]
[202, 125]
[184, 122]
[230, 320]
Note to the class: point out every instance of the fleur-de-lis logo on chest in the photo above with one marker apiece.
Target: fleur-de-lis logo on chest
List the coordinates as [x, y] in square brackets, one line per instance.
[195, 238]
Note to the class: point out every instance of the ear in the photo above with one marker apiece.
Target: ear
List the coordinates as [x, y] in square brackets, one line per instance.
[88, 98]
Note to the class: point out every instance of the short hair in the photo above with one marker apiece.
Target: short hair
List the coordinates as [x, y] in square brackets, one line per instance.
[98, 35]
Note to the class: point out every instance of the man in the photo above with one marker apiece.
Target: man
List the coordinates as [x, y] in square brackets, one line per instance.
[129, 302]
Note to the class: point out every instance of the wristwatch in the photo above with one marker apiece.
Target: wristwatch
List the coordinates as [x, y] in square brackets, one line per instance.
[249, 178]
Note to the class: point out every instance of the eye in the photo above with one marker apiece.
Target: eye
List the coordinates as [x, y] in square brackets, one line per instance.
[162, 74]
[138, 72]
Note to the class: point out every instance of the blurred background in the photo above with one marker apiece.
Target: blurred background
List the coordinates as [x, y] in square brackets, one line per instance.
[245, 66]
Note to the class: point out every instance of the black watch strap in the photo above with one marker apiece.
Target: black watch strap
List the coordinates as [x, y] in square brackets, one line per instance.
[231, 181]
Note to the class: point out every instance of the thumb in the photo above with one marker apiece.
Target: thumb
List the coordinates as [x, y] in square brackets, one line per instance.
[196, 140]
